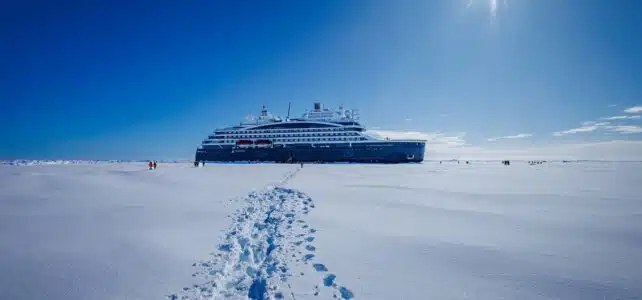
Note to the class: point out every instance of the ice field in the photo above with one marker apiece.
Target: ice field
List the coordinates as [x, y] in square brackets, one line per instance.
[270, 231]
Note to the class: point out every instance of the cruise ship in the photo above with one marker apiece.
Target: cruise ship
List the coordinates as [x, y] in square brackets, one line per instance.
[319, 135]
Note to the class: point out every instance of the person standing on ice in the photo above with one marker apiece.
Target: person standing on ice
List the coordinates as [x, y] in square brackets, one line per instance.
[155, 165]
[150, 164]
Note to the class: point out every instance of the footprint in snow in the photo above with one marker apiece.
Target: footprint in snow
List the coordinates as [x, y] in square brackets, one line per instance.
[308, 257]
[320, 267]
[328, 280]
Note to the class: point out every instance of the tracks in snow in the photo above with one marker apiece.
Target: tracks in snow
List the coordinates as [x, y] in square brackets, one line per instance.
[255, 257]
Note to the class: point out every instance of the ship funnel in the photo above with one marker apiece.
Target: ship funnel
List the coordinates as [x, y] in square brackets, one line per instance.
[317, 106]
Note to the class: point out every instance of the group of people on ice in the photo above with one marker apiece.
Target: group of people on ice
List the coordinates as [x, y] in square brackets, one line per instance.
[152, 164]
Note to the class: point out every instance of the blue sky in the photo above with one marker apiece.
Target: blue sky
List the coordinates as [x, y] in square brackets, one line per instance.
[110, 80]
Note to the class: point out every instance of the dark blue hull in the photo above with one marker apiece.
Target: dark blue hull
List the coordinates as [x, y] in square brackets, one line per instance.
[367, 152]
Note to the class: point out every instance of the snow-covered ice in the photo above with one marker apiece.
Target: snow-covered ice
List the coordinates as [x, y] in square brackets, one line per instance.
[270, 231]
[99, 231]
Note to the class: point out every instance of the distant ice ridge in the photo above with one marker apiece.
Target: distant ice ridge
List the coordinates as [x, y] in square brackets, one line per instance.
[256, 255]
[25, 162]
[29, 162]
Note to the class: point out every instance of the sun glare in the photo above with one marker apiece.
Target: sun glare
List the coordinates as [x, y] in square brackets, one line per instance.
[492, 6]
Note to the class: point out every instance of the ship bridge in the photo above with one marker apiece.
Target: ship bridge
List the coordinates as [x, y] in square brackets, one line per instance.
[319, 113]
[264, 118]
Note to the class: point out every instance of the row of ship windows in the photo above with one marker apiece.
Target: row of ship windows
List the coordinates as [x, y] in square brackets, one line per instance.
[290, 135]
[284, 130]
[300, 140]
[320, 139]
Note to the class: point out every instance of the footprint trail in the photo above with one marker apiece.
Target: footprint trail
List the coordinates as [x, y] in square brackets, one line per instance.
[255, 256]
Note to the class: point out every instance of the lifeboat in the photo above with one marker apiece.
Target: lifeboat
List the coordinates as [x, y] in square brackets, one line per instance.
[244, 143]
[263, 143]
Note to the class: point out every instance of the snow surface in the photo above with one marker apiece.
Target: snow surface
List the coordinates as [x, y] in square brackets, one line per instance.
[415, 231]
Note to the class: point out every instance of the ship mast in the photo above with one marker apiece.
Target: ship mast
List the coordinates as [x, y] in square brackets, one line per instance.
[288, 117]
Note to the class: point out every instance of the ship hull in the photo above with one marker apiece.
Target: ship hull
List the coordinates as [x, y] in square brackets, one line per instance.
[365, 152]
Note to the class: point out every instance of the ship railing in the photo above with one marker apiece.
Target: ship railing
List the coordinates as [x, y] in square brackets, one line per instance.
[406, 140]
